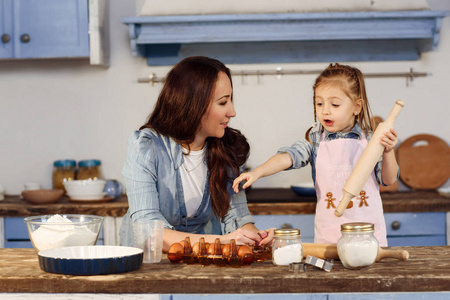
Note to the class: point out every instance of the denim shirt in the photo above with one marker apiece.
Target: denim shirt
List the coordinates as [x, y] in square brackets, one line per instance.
[303, 152]
[155, 190]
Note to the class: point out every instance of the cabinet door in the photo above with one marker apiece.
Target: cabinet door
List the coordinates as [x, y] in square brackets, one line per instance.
[6, 29]
[51, 28]
[416, 229]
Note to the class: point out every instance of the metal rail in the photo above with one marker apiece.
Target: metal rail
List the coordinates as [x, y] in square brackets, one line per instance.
[409, 76]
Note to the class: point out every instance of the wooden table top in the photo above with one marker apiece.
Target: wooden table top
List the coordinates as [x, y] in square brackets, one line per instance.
[428, 269]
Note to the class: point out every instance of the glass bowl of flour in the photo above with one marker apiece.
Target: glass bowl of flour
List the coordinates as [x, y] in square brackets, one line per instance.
[56, 231]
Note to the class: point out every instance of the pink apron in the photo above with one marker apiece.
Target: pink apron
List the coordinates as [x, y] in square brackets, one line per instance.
[334, 163]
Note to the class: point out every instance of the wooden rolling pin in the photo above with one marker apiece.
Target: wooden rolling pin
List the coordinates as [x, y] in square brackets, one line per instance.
[367, 161]
[329, 251]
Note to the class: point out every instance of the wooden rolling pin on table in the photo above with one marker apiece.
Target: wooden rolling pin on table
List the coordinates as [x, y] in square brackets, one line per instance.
[329, 251]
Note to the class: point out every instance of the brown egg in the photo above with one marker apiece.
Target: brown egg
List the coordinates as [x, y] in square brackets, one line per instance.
[244, 250]
[211, 249]
[226, 250]
[196, 248]
[175, 253]
[246, 253]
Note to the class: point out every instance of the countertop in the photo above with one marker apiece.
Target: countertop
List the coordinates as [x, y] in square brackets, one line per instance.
[260, 202]
[427, 270]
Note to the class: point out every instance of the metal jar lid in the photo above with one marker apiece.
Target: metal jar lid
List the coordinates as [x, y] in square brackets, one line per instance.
[286, 232]
[357, 227]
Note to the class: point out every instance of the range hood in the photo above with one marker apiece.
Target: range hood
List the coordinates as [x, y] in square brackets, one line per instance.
[286, 37]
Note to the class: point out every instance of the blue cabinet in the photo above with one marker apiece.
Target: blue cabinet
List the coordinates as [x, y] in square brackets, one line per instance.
[403, 229]
[416, 229]
[44, 29]
[16, 234]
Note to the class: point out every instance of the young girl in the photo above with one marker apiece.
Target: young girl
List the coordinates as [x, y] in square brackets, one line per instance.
[333, 149]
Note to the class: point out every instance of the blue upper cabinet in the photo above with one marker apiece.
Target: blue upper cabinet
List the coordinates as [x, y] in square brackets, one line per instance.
[44, 29]
[294, 37]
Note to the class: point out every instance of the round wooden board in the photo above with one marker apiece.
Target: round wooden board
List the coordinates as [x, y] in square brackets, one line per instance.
[424, 161]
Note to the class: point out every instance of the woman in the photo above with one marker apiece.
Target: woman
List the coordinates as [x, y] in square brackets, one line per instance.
[181, 163]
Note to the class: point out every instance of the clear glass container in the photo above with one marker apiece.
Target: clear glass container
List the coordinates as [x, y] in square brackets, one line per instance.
[287, 246]
[357, 247]
[63, 170]
[90, 169]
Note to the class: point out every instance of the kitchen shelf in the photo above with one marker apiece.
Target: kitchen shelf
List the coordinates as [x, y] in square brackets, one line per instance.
[286, 37]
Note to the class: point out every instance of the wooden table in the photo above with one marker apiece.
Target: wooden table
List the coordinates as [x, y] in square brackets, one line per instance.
[427, 270]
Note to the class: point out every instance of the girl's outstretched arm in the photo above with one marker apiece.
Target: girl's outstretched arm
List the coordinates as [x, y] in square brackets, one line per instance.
[389, 169]
[275, 164]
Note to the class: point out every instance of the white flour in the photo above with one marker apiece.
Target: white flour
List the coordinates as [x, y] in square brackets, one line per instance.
[287, 254]
[62, 235]
[357, 253]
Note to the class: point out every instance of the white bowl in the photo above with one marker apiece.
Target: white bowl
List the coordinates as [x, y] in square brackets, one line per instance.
[56, 231]
[85, 188]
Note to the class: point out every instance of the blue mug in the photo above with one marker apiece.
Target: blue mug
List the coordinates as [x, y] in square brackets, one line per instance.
[113, 188]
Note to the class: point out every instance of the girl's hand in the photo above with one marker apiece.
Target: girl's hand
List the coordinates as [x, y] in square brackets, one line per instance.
[249, 177]
[389, 140]
[244, 236]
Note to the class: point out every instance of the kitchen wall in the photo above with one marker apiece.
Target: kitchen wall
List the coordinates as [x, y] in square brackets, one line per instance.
[60, 109]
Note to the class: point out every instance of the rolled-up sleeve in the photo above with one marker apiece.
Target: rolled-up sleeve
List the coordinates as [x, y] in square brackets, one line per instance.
[238, 215]
[300, 152]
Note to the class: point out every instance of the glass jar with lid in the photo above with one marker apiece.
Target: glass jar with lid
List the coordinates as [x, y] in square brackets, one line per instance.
[63, 170]
[90, 169]
[357, 247]
[287, 246]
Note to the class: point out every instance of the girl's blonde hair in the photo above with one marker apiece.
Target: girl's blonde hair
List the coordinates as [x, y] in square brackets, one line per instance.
[351, 80]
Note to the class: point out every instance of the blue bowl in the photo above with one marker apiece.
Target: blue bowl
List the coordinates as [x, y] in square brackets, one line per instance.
[304, 189]
[91, 260]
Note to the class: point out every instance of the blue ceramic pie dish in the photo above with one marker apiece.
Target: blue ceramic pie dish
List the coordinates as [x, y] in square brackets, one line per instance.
[90, 260]
[304, 189]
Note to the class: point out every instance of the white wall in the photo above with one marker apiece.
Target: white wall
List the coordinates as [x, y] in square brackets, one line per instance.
[59, 109]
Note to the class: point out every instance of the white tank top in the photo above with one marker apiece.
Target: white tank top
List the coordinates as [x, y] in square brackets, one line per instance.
[193, 176]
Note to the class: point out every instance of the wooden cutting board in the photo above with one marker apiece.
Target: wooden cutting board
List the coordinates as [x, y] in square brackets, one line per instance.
[424, 161]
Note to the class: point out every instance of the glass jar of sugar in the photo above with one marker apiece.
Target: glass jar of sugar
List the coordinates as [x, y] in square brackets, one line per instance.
[287, 246]
[357, 247]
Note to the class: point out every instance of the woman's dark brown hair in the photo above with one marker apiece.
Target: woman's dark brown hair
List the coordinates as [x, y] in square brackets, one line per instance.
[184, 99]
[351, 80]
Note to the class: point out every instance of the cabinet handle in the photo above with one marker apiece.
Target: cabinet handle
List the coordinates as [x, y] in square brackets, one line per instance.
[5, 38]
[395, 225]
[25, 38]
[286, 225]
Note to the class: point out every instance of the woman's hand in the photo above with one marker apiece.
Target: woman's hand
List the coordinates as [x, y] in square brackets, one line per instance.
[388, 140]
[244, 236]
[266, 236]
[249, 177]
